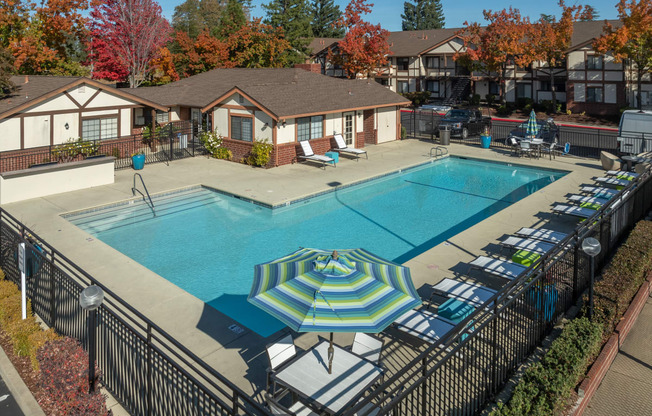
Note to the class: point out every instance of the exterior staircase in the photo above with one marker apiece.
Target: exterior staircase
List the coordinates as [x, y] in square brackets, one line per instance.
[461, 89]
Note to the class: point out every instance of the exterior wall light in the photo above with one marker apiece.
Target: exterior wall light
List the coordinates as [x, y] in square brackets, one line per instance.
[592, 248]
[90, 299]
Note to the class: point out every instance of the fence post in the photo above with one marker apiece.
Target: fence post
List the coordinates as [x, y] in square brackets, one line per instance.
[149, 370]
[576, 252]
[424, 386]
[53, 295]
[432, 125]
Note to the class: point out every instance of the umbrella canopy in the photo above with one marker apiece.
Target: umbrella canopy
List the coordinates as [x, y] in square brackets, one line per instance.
[532, 127]
[312, 291]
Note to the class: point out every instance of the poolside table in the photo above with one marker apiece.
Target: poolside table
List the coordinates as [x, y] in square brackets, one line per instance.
[308, 377]
[635, 159]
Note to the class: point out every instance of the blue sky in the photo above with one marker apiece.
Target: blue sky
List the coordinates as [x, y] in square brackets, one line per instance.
[388, 12]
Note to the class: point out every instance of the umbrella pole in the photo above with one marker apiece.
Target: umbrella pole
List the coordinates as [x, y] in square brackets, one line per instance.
[330, 356]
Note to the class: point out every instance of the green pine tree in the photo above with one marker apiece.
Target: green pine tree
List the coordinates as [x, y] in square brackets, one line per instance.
[324, 14]
[422, 15]
[294, 17]
[594, 13]
[6, 70]
[187, 18]
[233, 18]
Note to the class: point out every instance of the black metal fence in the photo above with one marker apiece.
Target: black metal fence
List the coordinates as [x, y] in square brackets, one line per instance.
[175, 140]
[458, 376]
[147, 370]
[584, 141]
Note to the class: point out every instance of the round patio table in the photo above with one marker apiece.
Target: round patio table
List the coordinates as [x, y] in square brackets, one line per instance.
[635, 159]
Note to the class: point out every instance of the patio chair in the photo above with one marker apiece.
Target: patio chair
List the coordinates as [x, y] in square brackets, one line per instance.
[599, 191]
[563, 151]
[575, 211]
[343, 148]
[541, 234]
[367, 346]
[424, 325]
[550, 149]
[513, 144]
[526, 244]
[279, 353]
[622, 174]
[497, 267]
[474, 294]
[297, 409]
[526, 149]
[308, 154]
[583, 199]
[612, 181]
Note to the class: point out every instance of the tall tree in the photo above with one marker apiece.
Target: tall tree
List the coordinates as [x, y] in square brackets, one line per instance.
[201, 54]
[6, 69]
[14, 18]
[232, 19]
[164, 71]
[134, 31]
[499, 44]
[294, 17]
[324, 15]
[364, 47]
[632, 40]
[258, 45]
[550, 38]
[193, 16]
[590, 14]
[422, 15]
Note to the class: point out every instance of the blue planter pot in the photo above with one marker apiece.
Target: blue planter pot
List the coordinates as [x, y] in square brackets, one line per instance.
[485, 141]
[138, 161]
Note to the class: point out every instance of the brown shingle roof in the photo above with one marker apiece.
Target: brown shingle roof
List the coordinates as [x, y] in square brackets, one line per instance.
[414, 42]
[319, 44]
[283, 91]
[37, 87]
[586, 31]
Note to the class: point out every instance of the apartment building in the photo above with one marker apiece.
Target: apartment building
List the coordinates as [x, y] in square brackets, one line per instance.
[585, 81]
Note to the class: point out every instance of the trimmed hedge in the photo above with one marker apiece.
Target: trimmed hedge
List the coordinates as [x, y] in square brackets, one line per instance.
[622, 278]
[546, 386]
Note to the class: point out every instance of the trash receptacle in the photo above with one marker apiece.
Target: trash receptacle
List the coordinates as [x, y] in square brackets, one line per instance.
[445, 135]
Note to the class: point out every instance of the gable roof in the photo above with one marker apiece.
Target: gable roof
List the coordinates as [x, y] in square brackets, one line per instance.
[39, 88]
[283, 92]
[585, 32]
[319, 44]
[416, 42]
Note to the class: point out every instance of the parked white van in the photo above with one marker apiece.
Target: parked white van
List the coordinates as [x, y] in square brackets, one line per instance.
[635, 132]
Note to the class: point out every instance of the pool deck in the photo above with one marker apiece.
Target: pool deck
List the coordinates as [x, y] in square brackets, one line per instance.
[204, 330]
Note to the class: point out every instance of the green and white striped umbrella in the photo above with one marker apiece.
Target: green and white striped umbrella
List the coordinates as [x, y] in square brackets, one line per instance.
[532, 127]
[313, 291]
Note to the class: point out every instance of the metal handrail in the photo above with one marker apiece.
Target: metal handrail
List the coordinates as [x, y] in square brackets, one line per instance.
[134, 190]
[439, 151]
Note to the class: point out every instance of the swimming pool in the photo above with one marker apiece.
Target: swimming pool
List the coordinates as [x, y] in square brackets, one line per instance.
[398, 217]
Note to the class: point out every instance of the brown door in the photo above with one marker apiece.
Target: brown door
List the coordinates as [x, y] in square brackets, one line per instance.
[368, 126]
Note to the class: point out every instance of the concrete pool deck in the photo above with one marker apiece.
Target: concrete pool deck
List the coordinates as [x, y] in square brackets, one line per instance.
[204, 330]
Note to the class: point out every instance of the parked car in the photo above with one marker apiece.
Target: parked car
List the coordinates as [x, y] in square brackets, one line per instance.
[635, 131]
[465, 122]
[438, 108]
[548, 131]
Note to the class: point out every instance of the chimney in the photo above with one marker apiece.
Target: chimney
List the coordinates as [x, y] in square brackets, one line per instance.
[26, 79]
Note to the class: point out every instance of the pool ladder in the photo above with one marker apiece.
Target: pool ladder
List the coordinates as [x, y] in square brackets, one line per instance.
[149, 198]
[439, 151]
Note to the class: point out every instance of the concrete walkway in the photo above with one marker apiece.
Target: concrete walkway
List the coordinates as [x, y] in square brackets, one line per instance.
[625, 390]
[204, 330]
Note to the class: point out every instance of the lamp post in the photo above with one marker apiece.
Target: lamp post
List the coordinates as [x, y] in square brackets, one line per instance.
[90, 299]
[592, 248]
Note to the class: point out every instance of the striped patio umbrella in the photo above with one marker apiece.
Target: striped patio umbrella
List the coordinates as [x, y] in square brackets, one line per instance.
[532, 127]
[313, 290]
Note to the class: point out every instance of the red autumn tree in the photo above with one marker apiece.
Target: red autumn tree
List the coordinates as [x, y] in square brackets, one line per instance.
[364, 48]
[550, 38]
[201, 54]
[104, 62]
[134, 31]
[632, 40]
[497, 45]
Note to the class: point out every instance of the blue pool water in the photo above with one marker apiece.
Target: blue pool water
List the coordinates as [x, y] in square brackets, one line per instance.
[207, 243]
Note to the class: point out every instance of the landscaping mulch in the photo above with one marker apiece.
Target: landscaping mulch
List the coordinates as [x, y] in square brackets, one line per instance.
[562, 118]
[24, 368]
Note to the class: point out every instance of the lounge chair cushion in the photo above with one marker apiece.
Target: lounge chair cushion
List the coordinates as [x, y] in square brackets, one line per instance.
[535, 246]
[424, 324]
[502, 268]
[471, 293]
[591, 205]
[613, 181]
[455, 310]
[581, 199]
[599, 191]
[525, 258]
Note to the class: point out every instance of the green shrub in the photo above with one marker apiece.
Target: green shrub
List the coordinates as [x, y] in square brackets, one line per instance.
[35, 341]
[418, 98]
[504, 110]
[11, 309]
[212, 141]
[7, 289]
[475, 99]
[403, 133]
[490, 98]
[68, 151]
[546, 386]
[19, 331]
[622, 278]
[261, 152]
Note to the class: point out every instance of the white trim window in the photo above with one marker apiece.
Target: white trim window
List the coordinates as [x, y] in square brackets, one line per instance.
[309, 128]
[594, 62]
[100, 128]
[242, 128]
[593, 94]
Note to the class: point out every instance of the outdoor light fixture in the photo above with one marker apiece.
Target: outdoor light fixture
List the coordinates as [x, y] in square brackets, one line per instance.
[67, 126]
[592, 248]
[90, 299]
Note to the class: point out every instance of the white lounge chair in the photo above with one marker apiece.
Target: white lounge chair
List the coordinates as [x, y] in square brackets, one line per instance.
[308, 154]
[541, 234]
[424, 325]
[582, 199]
[599, 191]
[343, 148]
[501, 268]
[474, 294]
[622, 173]
[573, 210]
[532, 246]
[279, 353]
[613, 181]
[367, 346]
